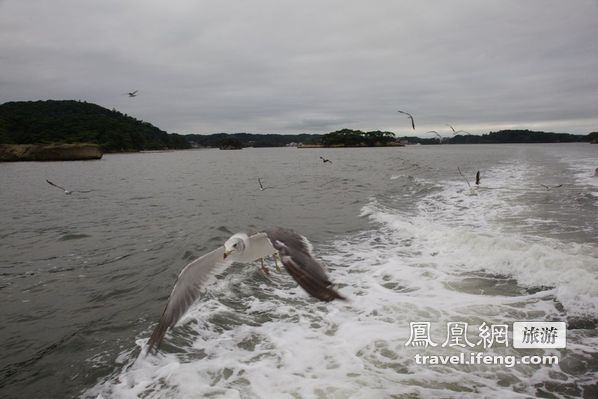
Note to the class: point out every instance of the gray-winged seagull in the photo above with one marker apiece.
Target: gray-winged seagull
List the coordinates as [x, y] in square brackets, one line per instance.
[295, 253]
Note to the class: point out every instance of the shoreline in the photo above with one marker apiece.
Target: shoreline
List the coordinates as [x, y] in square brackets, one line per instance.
[49, 152]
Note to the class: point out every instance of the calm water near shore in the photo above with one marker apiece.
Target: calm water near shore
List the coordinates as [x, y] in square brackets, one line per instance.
[83, 278]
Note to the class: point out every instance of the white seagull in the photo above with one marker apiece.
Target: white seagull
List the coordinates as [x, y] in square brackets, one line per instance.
[548, 188]
[295, 253]
[436, 133]
[458, 131]
[262, 188]
[410, 117]
[67, 192]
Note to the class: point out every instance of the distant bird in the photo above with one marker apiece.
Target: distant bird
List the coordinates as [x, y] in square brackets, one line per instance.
[67, 192]
[133, 93]
[262, 188]
[455, 132]
[477, 178]
[410, 117]
[551, 187]
[436, 133]
[325, 160]
[463, 176]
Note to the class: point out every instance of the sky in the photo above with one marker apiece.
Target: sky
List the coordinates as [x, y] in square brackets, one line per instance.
[311, 66]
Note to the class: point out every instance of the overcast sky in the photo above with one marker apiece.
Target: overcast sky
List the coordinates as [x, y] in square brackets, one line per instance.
[313, 66]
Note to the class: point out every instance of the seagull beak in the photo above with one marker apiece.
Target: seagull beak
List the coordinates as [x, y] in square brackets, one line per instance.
[226, 254]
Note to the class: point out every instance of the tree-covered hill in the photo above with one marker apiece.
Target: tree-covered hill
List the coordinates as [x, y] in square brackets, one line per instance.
[42, 122]
[358, 138]
[520, 136]
[253, 140]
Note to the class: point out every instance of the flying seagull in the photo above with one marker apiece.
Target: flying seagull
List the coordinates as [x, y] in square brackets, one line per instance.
[436, 133]
[324, 160]
[262, 188]
[294, 251]
[455, 132]
[133, 93]
[551, 187]
[463, 176]
[477, 178]
[67, 192]
[410, 117]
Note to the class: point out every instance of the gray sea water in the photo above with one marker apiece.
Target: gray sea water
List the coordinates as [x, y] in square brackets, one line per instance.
[84, 277]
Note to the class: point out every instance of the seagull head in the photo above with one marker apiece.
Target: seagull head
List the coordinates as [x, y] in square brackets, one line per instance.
[236, 244]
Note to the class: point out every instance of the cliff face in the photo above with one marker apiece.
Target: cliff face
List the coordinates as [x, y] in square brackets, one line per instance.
[49, 152]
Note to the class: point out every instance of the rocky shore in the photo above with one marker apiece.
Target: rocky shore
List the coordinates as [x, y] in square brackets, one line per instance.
[49, 152]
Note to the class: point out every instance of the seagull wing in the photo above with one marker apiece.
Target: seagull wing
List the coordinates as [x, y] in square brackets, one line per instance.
[55, 185]
[295, 254]
[187, 290]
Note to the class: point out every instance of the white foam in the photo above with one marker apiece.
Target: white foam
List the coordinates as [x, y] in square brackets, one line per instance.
[407, 268]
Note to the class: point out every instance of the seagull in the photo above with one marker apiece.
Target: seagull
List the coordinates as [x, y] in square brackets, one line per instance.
[477, 178]
[67, 192]
[436, 133]
[463, 176]
[133, 93]
[294, 251]
[410, 117]
[551, 187]
[455, 132]
[324, 160]
[262, 188]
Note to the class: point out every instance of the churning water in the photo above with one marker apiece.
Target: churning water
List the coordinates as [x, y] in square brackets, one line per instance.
[83, 278]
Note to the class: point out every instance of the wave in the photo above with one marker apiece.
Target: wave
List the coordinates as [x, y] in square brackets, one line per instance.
[451, 256]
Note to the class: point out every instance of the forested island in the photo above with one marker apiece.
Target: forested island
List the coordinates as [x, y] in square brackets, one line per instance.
[89, 130]
[252, 139]
[68, 122]
[377, 138]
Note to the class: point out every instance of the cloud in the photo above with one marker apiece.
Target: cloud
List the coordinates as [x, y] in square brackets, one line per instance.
[311, 66]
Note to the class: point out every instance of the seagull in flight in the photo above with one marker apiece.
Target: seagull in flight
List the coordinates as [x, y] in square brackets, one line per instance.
[67, 192]
[410, 117]
[262, 188]
[456, 132]
[551, 187]
[324, 160]
[294, 251]
[436, 133]
[471, 190]
[133, 93]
